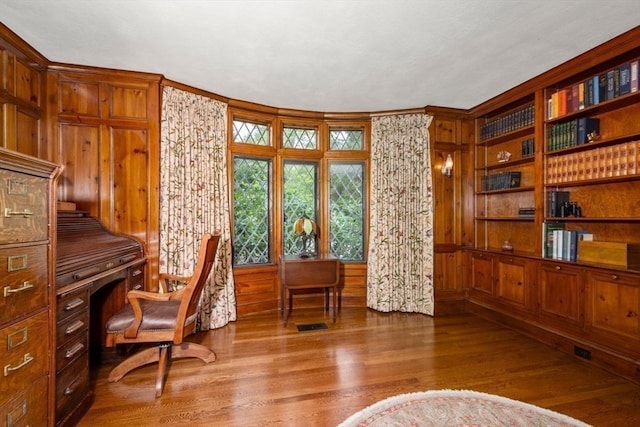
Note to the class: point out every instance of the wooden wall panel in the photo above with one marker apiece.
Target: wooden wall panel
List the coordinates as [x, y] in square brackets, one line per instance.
[80, 147]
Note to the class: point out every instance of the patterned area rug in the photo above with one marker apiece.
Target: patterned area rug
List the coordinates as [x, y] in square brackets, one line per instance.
[456, 408]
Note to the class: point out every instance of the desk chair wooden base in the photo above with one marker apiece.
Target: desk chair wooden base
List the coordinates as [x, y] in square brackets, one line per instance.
[163, 354]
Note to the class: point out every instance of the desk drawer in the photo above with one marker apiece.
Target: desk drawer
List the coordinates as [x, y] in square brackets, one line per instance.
[72, 350]
[24, 280]
[23, 207]
[71, 304]
[27, 408]
[24, 349]
[72, 385]
[72, 328]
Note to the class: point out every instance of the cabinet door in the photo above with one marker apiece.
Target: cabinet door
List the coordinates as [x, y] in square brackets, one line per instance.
[481, 275]
[513, 285]
[613, 307]
[561, 295]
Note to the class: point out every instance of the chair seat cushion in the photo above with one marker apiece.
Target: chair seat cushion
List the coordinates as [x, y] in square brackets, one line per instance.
[156, 315]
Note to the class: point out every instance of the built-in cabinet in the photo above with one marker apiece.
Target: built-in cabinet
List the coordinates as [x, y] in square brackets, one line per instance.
[561, 151]
[27, 224]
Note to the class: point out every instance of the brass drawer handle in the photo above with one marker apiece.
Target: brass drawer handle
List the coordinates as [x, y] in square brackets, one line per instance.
[25, 287]
[26, 359]
[77, 348]
[8, 213]
[73, 304]
[614, 277]
[136, 273]
[75, 326]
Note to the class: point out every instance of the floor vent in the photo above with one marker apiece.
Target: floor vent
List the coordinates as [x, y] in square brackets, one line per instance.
[312, 327]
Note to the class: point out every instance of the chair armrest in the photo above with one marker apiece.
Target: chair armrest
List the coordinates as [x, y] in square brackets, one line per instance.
[134, 296]
[165, 279]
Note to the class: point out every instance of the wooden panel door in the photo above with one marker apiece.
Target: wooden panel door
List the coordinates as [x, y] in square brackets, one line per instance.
[561, 295]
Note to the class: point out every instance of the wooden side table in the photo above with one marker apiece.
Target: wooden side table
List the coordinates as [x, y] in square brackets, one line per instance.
[316, 272]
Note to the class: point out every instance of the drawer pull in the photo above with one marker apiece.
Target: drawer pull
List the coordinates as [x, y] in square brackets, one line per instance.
[73, 304]
[77, 348]
[26, 359]
[71, 388]
[136, 273]
[86, 273]
[74, 327]
[614, 277]
[8, 213]
[25, 287]
[16, 414]
[558, 267]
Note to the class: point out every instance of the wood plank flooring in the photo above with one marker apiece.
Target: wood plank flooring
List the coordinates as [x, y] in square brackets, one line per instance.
[268, 375]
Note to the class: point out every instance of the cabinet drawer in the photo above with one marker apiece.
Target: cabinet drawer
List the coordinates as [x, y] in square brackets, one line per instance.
[70, 304]
[24, 350]
[72, 350]
[23, 207]
[72, 385]
[27, 408]
[72, 328]
[24, 280]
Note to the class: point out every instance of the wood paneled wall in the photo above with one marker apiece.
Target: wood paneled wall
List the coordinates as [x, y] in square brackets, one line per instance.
[105, 127]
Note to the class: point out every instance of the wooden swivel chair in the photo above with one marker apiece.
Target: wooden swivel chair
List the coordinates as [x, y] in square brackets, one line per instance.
[163, 318]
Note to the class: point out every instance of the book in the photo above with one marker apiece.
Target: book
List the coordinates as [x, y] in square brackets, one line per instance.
[558, 247]
[548, 228]
[625, 79]
[569, 240]
[581, 96]
[634, 76]
[585, 126]
[602, 87]
[609, 85]
[555, 199]
[596, 90]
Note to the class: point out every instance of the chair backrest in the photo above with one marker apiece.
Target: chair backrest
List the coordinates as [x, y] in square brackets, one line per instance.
[190, 294]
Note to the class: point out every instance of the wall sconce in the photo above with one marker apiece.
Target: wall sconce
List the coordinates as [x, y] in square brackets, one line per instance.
[447, 166]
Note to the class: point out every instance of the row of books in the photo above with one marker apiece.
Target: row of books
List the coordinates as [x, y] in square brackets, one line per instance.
[500, 181]
[599, 88]
[601, 162]
[508, 123]
[559, 243]
[573, 132]
[528, 148]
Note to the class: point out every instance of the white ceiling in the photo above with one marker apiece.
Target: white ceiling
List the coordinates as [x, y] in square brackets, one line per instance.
[326, 55]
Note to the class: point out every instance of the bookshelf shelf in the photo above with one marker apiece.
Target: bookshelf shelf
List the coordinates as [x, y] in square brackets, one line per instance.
[506, 136]
[602, 107]
[594, 219]
[507, 165]
[508, 190]
[505, 218]
[595, 144]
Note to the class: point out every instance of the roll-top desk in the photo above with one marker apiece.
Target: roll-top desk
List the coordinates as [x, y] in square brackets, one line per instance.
[27, 186]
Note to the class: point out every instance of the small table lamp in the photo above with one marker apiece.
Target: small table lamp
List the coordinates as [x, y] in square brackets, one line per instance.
[305, 228]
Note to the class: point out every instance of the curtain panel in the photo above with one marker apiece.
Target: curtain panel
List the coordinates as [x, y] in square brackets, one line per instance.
[400, 258]
[194, 197]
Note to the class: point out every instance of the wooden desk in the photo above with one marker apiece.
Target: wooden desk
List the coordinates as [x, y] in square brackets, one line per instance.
[317, 272]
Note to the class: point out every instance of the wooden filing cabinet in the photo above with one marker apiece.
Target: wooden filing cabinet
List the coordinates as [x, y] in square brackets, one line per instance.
[26, 289]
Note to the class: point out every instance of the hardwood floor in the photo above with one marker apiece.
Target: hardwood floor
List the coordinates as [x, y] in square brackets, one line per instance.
[266, 374]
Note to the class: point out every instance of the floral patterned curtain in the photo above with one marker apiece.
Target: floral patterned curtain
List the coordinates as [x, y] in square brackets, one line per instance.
[400, 260]
[194, 197]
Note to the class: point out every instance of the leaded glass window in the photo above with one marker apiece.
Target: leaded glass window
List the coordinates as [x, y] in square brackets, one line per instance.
[251, 133]
[347, 139]
[346, 210]
[251, 194]
[306, 139]
[300, 190]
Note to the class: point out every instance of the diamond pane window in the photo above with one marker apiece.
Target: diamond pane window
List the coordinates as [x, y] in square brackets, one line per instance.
[346, 210]
[306, 139]
[251, 211]
[346, 139]
[250, 133]
[300, 198]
